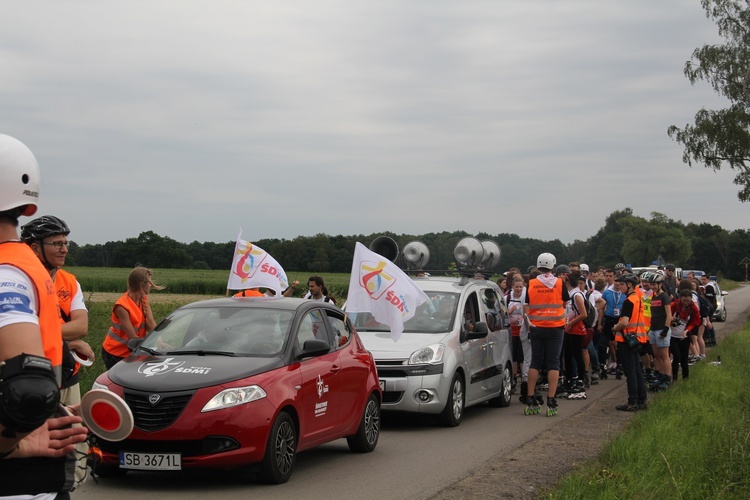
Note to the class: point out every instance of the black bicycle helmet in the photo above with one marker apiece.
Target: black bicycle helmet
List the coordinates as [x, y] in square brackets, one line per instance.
[562, 269]
[620, 266]
[42, 227]
[628, 278]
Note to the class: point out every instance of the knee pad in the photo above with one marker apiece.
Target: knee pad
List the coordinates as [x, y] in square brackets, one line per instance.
[28, 393]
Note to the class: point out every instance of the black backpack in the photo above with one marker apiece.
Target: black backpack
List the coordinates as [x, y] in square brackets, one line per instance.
[705, 306]
[590, 319]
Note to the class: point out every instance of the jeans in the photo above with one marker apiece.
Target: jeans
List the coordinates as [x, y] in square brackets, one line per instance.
[630, 360]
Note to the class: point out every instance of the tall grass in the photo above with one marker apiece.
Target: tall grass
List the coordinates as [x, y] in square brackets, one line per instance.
[693, 442]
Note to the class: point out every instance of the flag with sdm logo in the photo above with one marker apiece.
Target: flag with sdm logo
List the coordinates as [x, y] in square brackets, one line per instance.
[253, 267]
[379, 287]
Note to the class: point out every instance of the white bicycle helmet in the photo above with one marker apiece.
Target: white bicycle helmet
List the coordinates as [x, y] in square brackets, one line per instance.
[546, 261]
[19, 176]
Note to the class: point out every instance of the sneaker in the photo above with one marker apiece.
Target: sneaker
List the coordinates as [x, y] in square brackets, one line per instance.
[642, 406]
[627, 407]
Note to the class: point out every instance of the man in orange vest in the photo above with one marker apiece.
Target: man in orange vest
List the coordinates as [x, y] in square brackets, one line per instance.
[545, 308]
[48, 238]
[32, 423]
[630, 333]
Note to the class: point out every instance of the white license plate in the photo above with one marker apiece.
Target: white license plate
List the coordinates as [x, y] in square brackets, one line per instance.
[382, 385]
[150, 461]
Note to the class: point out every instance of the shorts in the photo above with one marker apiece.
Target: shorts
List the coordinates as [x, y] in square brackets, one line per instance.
[645, 349]
[655, 339]
[546, 346]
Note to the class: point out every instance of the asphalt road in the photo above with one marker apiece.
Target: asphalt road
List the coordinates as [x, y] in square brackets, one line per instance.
[414, 459]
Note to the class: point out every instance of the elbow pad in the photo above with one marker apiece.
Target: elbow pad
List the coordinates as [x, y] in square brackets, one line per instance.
[29, 394]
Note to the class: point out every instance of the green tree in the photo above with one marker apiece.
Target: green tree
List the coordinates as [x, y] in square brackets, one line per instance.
[721, 137]
[644, 240]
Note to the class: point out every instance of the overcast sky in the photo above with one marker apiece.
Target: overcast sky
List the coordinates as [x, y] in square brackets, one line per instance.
[297, 117]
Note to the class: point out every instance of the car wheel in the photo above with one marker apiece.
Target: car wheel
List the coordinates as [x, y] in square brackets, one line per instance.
[281, 450]
[109, 471]
[723, 315]
[454, 408]
[503, 399]
[366, 438]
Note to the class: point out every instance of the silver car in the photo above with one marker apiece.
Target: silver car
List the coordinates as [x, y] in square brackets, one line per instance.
[454, 353]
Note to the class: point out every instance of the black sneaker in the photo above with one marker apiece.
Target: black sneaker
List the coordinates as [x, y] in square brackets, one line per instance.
[627, 407]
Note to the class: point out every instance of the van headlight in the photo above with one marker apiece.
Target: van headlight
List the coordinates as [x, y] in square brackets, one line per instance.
[432, 354]
[234, 397]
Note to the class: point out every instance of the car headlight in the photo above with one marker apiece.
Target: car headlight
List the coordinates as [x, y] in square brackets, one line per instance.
[430, 354]
[97, 385]
[234, 397]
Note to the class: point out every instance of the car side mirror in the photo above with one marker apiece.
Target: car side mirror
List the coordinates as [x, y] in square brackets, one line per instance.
[134, 343]
[724, 292]
[313, 348]
[479, 332]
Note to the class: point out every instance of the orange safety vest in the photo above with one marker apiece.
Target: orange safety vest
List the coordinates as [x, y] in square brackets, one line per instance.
[636, 322]
[20, 255]
[546, 306]
[249, 293]
[116, 341]
[66, 287]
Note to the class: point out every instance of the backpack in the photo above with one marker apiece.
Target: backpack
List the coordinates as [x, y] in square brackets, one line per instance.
[590, 319]
[705, 306]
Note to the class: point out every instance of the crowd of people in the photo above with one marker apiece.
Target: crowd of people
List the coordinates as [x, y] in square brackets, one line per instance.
[572, 327]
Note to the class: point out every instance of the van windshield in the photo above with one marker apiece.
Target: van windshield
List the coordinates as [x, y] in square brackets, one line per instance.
[437, 315]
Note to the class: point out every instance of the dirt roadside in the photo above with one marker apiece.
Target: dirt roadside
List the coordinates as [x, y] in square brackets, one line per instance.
[517, 474]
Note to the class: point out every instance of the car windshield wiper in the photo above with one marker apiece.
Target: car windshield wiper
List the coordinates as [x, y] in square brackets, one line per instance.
[152, 352]
[201, 352]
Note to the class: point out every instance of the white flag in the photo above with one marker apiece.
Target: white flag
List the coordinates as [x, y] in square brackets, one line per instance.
[252, 267]
[379, 287]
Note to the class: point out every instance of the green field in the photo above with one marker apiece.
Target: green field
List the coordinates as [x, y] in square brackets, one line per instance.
[189, 281]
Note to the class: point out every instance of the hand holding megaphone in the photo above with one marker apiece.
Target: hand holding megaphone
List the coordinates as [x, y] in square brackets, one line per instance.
[107, 415]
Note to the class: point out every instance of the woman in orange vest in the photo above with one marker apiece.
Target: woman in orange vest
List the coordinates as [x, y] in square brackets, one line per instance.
[545, 308]
[131, 316]
[630, 333]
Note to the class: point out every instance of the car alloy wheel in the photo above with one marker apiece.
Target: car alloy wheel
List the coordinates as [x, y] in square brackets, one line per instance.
[454, 407]
[281, 450]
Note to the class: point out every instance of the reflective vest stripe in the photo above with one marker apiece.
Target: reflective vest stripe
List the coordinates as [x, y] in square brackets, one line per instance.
[116, 337]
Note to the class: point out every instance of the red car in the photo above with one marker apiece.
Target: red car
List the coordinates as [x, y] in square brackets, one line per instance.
[231, 382]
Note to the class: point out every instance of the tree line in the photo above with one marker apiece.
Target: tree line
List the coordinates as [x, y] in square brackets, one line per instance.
[624, 238]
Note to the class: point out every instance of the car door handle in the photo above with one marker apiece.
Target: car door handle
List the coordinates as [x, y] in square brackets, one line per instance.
[492, 344]
[484, 347]
[335, 369]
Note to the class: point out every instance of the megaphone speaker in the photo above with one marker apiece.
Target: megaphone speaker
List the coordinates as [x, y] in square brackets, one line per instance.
[107, 415]
[385, 246]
